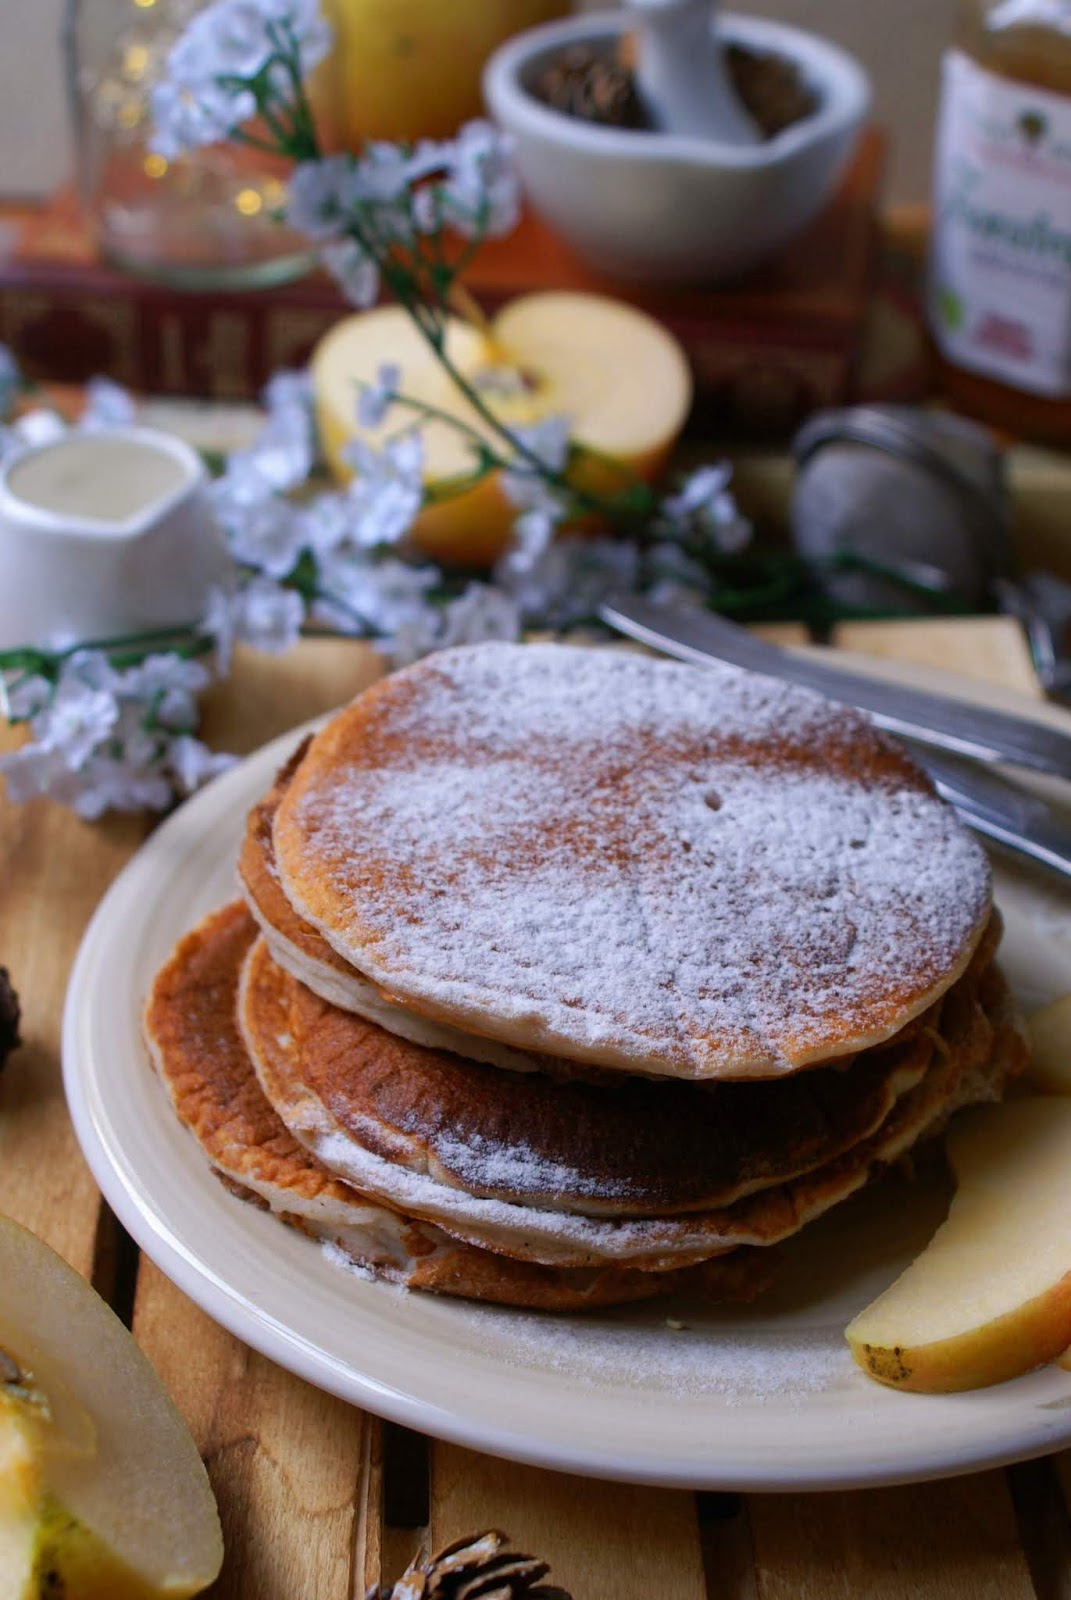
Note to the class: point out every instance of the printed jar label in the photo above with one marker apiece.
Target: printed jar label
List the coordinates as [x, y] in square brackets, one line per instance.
[1000, 267]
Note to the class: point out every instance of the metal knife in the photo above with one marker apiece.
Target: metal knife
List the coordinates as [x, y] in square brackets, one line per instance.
[1001, 811]
[933, 720]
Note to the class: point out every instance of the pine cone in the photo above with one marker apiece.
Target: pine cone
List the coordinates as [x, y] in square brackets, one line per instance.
[9, 1017]
[478, 1568]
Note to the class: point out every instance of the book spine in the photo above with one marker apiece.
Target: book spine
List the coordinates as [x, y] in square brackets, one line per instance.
[755, 379]
[154, 341]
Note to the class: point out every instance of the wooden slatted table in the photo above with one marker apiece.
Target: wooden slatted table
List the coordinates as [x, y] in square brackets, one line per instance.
[319, 1500]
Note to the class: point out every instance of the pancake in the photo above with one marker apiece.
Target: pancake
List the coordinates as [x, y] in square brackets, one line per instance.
[976, 1046]
[305, 953]
[637, 1147]
[699, 873]
[191, 1029]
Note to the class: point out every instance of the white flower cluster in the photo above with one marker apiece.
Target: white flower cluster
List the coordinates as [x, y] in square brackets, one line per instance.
[357, 207]
[213, 69]
[110, 736]
[105, 739]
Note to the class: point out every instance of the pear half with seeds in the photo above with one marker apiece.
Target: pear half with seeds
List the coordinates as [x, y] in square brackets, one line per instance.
[103, 1495]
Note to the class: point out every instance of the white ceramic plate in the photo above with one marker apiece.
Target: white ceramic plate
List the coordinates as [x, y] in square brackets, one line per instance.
[764, 1397]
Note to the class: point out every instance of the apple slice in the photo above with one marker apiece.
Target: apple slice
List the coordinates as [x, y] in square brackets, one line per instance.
[1050, 1048]
[101, 1485]
[615, 372]
[990, 1296]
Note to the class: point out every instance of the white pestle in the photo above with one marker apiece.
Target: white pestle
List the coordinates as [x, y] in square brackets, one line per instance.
[681, 74]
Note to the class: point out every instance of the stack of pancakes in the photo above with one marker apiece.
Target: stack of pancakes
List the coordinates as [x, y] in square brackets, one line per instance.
[566, 977]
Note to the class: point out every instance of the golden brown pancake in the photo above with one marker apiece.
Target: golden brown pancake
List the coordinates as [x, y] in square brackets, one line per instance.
[191, 1028]
[304, 952]
[304, 1073]
[700, 873]
[636, 1147]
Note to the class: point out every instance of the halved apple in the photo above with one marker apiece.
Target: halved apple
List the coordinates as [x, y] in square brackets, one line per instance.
[990, 1296]
[103, 1495]
[617, 374]
[1050, 1048]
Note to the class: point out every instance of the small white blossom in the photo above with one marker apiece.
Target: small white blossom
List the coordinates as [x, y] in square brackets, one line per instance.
[531, 535]
[354, 270]
[280, 458]
[30, 771]
[108, 405]
[704, 502]
[185, 118]
[261, 613]
[204, 94]
[321, 197]
[568, 584]
[388, 489]
[525, 486]
[39, 426]
[168, 685]
[26, 699]
[482, 612]
[480, 194]
[193, 763]
[78, 718]
[268, 536]
[359, 594]
[110, 783]
[375, 399]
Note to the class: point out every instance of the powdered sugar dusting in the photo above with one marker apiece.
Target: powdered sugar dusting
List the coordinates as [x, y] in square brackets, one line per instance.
[645, 1353]
[628, 860]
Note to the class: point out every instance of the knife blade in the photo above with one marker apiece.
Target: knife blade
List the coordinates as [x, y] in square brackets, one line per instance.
[934, 720]
[1001, 811]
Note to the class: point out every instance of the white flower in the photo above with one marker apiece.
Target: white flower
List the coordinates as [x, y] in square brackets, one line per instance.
[26, 699]
[238, 39]
[480, 194]
[110, 783]
[321, 197]
[482, 612]
[30, 771]
[39, 426]
[168, 684]
[269, 536]
[363, 595]
[326, 521]
[184, 117]
[704, 502]
[354, 270]
[570, 581]
[93, 668]
[375, 399]
[524, 485]
[193, 763]
[388, 490]
[261, 613]
[108, 405]
[78, 718]
[532, 532]
[280, 458]
[286, 391]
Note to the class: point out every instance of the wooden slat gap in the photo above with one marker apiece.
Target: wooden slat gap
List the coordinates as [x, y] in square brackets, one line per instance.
[1044, 1527]
[115, 1265]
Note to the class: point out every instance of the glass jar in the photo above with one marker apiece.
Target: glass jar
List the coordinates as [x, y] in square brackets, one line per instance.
[1000, 265]
[204, 221]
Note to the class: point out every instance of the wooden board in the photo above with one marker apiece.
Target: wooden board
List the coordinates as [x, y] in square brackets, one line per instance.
[302, 1478]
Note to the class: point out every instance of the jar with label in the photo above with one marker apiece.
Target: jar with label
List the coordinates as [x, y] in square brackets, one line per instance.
[1000, 264]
